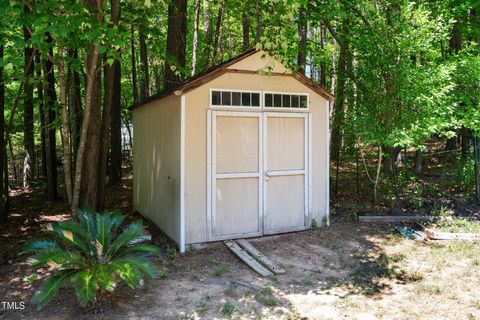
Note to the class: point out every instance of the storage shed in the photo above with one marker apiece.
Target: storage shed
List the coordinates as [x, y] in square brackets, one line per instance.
[241, 150]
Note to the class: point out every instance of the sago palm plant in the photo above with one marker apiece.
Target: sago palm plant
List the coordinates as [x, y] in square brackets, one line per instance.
[93, 255]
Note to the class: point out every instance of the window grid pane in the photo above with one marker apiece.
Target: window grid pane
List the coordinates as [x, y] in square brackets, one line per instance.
[216, 97]
[255, 99]
[252, 99]
[236, 99]
[246, 99]
[268, 100]
[277, 100]
[226, 98]
[295, 101]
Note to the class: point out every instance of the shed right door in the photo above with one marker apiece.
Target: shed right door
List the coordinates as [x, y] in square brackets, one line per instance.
[285, 163]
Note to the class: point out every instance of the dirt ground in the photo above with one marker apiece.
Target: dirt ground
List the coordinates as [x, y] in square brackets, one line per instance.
[346, 271]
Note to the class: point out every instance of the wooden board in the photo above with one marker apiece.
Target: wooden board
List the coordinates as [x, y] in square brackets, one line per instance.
[245, 257]
[395, 219]
[272, 266]
[437, 235]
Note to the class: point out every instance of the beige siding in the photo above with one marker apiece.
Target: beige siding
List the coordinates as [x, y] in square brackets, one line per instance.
[156, 163]
[197, 104]
[259, 61]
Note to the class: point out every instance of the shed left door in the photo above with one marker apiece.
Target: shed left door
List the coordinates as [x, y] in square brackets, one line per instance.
[237, 182]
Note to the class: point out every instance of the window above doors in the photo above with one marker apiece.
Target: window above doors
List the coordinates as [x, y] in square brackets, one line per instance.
[286, 100]
[254, 100]
[234, 98]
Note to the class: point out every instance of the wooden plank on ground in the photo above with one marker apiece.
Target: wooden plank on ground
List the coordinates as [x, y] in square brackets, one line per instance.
[395, 219]
[438, 235]
[455, 236]
[260, 257]
[245, 257]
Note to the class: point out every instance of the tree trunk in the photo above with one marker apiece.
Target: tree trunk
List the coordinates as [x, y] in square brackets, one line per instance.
[195, 37]
[377, 176]
[418, 161]
[50, 116]
[390, 163]
[323, 67]
[28, 123]
[145, 79]
[41, 111]
[85, 192]
[89, 184]
[246, 25]
[258, 19]
[339, 103]
[107, 116]
[92, 78]
[302, 40]
[176, 43]
[451, 144]
[67, 150]
[74, 103]
[116, 129]
[134, 66]
[3, 158]
[218, 32]
[466, 137]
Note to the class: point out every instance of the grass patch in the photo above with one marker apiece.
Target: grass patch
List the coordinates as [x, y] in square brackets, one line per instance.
[428, 288]
[228, 309]
[265, 297]
[457, 225]
[220, 270]
[201, 306]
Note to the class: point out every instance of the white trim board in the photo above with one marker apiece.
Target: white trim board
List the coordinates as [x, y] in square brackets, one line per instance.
[182, 173]
[214, 176]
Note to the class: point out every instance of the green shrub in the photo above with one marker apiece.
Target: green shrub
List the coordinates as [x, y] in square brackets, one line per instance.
[93, 255]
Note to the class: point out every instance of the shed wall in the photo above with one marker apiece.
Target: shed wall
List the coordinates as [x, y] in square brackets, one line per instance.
[260, 61]
[197, 104]
[156, 163]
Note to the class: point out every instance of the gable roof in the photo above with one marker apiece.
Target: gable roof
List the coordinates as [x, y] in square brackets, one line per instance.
[222, 68]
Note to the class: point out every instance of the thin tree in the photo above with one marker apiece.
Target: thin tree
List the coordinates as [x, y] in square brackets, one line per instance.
[115, 172]
[41, 111]
[28, 123]
[145, 79]
[258, 19]
[176, 43]
[74, 101]
[106, 115]
[85, 187]
[323, 67]
[134, 65]
[50, 119]
[196, 24]
[246, 26]
[3, 152]
[218, 32]
[339, 104]
[65, 132]
[302, 40]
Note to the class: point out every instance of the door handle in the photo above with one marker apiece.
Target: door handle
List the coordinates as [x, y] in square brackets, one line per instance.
[266, 176]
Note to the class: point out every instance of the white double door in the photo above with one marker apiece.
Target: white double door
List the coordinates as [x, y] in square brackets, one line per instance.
[259, 173]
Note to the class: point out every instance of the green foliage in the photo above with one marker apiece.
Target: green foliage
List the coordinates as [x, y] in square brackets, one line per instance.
[220, 270]
[228, 309]
[93, 254]
[464, 175]
[314, 225]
